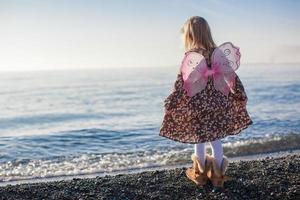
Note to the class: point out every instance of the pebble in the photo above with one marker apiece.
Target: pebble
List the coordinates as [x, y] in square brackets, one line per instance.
[280, 181]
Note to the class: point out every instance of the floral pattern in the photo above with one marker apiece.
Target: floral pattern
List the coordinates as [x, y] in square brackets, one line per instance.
[207, 116]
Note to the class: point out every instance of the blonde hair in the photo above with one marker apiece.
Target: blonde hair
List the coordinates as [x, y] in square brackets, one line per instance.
[196, 34]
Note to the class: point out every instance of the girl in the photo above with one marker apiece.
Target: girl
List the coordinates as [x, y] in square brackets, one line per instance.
[208, 102]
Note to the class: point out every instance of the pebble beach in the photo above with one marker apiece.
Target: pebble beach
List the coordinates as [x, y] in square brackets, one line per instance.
[266, 178]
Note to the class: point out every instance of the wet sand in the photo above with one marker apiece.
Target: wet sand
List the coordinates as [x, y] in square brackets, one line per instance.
[267, 178]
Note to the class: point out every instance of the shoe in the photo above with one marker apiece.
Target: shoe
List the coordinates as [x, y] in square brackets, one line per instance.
[198, 172]
[216, 174]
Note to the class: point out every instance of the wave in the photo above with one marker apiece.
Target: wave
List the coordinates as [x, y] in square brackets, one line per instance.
[126, 161]
[269, 144]
[28, 120]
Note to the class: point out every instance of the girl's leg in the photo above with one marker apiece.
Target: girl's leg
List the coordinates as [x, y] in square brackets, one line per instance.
[200, 151]
[217, 151]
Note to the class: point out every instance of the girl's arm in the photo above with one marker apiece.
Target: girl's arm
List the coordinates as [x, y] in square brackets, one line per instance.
[173, 99]
[240, 93]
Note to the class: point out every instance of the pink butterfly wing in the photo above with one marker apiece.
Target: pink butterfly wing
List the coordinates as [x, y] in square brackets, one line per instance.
[193, 67]
[224, 83]
[228, 56]
[225, 60]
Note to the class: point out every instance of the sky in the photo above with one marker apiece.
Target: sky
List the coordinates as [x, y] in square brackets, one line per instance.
[88, 34]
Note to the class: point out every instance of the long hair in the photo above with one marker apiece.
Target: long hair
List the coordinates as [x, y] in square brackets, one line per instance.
[197, 34]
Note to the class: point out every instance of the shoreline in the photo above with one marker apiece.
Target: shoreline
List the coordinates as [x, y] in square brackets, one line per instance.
[92, 165]
[275, 177]
[146, 169]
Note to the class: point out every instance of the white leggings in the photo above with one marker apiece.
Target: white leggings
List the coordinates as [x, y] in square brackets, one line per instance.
[217, 151]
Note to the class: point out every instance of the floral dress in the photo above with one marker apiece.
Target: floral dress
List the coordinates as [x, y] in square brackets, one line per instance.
[207, 116]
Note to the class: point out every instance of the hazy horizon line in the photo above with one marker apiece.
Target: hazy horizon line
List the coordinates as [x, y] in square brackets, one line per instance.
[130, 67]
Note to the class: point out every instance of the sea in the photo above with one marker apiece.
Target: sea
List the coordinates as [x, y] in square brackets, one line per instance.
[83, 122]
